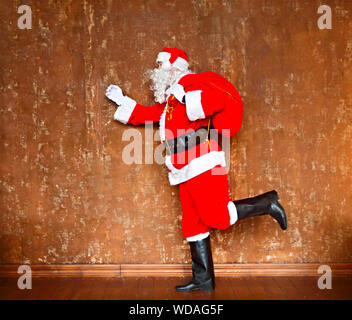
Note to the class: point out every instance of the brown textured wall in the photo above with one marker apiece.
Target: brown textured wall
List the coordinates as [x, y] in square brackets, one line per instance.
[66, 195]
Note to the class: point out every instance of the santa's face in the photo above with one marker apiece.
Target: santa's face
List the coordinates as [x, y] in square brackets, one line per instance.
[162, 78]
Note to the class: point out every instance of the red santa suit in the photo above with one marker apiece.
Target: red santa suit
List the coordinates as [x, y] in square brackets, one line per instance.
[199, 170]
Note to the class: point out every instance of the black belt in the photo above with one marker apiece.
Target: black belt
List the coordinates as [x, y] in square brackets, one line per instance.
[186, 141]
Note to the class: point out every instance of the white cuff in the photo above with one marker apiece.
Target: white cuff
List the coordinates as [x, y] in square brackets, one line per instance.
[194, 108]
[178, 91]
[123, 113]
[198, 237]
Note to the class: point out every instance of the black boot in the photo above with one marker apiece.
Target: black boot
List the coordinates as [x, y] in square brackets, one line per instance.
[202, 267]
[266, 203]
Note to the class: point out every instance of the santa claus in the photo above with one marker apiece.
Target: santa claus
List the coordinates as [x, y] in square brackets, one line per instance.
[185, 104]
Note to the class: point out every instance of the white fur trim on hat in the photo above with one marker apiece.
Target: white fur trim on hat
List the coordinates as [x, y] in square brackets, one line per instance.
[163, 56]
[194, 108]
[180, 63]
[124, 111]
[198, 237]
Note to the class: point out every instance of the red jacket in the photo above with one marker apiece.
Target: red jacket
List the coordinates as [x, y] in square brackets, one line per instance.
[175, 119]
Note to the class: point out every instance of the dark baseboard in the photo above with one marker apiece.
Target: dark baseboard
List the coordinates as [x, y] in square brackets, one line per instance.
[175, 270]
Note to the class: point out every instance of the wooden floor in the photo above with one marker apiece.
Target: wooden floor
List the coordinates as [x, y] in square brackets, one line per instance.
[235, 288]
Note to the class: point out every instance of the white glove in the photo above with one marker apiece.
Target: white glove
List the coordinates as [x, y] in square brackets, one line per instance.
[178, 91]
[114, 93]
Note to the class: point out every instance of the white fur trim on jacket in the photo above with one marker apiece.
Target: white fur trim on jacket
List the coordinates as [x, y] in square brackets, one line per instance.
[178, 91]
[181, 64]
[194, 108]
[162, 125]
[195, 167]
[198, 237]
[233, 212]
[124, 111]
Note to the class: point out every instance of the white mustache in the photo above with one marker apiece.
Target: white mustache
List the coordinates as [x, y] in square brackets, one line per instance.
[162, 80]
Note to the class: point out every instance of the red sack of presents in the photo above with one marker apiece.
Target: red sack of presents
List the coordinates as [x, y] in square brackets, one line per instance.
[220, 99]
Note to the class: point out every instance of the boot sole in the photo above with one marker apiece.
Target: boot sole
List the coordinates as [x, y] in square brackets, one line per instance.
[208, 286]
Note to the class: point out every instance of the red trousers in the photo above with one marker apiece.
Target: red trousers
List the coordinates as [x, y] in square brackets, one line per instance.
[204, 201]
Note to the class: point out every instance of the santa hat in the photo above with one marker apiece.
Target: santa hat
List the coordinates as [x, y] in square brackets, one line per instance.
[173, 57]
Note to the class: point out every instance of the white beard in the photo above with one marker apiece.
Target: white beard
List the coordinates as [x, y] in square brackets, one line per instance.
[162, 80]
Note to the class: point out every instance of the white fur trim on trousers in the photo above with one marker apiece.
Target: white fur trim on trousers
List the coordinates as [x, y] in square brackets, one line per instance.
[198, 237]
[233, 212]
[233, 218]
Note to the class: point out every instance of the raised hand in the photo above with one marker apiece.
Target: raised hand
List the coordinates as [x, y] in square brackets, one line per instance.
[114, 93]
